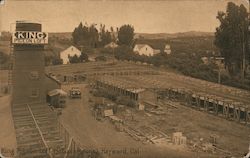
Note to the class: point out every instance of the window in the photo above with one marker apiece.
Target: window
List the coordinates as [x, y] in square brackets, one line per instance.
[34, 75]
[34, 92]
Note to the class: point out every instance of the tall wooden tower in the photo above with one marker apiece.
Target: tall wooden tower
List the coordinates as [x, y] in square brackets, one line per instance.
[28, 66]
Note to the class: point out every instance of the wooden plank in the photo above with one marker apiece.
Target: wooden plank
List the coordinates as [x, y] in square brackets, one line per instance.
[40, 132]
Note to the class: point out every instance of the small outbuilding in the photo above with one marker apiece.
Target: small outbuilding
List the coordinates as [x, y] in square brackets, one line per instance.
[167, 49]
[111, 45]
[57, 98]
[145, 49]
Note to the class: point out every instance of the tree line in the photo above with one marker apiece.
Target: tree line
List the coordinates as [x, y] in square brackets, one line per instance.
[90, 36]
[231, 37]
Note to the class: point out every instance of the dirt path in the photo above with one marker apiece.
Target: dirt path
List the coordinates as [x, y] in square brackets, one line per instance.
[7, 132]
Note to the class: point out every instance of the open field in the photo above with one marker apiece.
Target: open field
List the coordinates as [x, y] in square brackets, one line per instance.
[92, 67]
[164, 79]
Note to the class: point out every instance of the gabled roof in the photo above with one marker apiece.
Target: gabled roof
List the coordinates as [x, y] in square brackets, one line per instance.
[57, 92]
[69, 48]
[140, 46]
[111, 44]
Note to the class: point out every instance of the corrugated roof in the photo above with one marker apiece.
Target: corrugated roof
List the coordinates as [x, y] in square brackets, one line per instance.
[56, 92]
[108, 112]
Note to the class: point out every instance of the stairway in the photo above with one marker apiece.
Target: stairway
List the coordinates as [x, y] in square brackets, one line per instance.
[37, 132]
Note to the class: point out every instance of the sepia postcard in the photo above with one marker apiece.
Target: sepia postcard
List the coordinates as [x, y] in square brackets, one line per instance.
[124, 79]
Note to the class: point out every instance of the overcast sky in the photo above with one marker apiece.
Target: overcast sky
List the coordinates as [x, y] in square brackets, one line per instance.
[147, 16]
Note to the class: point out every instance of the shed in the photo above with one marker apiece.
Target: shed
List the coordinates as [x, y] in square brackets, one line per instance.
[57, 98]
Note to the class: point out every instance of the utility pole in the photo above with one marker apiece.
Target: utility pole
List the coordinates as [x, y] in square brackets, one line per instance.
[243, 49]
[219, 76]
[113, 46]
[243, 55]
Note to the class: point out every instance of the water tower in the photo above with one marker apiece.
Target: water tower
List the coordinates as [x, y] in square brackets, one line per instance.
[28, 64]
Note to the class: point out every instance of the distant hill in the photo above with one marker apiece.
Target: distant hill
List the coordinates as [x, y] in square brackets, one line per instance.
[61, 34]
[173, 35]
[148, 35]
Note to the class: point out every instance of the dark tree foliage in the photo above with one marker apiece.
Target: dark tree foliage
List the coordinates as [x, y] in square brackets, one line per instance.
[57, 61]
[105, 36]
[101, 58]
[231, 36]
[187, 64]
[74, 59]
[93, 36]
[89, 36]
[126, 35]
[84, 57]
[84, 35]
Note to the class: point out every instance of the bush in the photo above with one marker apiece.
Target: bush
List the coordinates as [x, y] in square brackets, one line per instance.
[106, 51]
[57, 61]
[101, 58]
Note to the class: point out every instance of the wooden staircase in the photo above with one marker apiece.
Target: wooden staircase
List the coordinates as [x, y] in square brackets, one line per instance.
[37, 132]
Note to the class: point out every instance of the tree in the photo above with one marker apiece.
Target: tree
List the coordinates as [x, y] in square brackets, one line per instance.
[77, 34]
[74, 59]
[85, 35]
[57, 61]
[93, 36]
[84, 57]
[231, 36]
[105, 35]
[101, 58]
[126, 35]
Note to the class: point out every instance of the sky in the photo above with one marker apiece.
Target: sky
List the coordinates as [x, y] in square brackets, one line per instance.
[147, 16]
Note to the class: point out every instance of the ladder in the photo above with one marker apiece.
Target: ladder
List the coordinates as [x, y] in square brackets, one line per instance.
[11, 64]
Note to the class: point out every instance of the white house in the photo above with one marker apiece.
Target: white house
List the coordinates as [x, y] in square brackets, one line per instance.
[167, 49]
[144, 49]
[71, 51]
[111, 45]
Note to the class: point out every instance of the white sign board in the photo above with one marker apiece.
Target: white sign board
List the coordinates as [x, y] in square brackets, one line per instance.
[29, 37]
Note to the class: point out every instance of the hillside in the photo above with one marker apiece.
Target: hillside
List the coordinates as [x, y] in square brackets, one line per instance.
[148, 35]
[61, 35]
[174, 35]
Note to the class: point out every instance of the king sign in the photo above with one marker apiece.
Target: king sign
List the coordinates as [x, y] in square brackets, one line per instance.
[29, 37]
